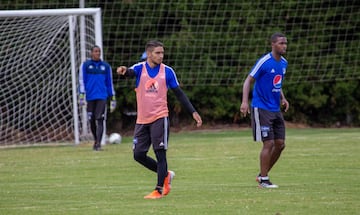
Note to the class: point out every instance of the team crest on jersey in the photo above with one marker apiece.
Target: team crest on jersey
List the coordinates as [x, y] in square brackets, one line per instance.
[152, 86]
[277, 81]
[102, 67]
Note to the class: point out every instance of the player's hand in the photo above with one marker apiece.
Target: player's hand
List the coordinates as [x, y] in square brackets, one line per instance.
[112, 104]
[197, 118]
[121, 70]
[285, 103]
[244, 109]
[82, 99]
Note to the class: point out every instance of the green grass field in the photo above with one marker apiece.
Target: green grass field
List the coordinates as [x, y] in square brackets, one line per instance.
[318, 173]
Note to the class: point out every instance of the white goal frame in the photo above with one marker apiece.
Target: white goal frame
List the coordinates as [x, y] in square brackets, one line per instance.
[71, 13]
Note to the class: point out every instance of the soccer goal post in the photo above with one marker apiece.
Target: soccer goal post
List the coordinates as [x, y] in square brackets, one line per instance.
[41, 52]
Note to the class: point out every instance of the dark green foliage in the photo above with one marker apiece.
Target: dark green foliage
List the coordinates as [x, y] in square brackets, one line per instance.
[212, 45]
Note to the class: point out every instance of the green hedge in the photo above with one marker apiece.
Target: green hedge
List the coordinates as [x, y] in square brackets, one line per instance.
[326, 104]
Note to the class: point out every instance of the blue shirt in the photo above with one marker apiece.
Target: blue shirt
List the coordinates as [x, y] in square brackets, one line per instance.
[269, 75]
[171, 79]
[95, 79]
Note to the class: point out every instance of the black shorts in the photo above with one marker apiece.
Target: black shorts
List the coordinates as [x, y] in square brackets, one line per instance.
[267, 125]
[96, 109]
[155, 134]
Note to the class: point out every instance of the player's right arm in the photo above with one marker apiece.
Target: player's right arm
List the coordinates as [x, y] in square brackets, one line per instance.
[123, 70]
[245, 107]
[82, 78]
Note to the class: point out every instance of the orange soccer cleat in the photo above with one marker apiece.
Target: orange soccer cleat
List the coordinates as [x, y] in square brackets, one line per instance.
[167, 182]
[154, 195]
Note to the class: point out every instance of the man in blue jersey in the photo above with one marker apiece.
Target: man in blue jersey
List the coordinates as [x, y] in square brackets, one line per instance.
[267, 120]
[96, 85]
[153, 79]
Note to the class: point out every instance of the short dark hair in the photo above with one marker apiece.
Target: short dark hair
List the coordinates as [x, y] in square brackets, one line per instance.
[275, 36]
[94, 47]
[153, 44]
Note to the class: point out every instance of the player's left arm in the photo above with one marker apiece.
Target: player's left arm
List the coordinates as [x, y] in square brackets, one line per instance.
[110, 88]
[173, 84]
[184, 100]
[109, 82]
[283, 101]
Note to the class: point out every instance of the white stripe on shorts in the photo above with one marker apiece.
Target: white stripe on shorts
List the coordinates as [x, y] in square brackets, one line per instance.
[166, 132]
[257, 124]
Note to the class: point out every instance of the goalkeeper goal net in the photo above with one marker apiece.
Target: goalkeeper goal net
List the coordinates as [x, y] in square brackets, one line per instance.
[41, 51]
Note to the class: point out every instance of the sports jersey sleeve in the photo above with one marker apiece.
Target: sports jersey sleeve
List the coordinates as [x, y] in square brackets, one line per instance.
[137, 68]
[82, 78]
[257, 69]
[109, 81]
[171, 79]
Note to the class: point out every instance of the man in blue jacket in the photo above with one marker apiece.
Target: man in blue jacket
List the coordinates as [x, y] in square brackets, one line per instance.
[96, 85]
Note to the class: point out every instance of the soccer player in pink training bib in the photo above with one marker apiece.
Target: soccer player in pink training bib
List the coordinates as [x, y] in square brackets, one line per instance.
[266, 117]
[153, 79]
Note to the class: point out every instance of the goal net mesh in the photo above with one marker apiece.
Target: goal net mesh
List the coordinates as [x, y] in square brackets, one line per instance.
[36, 87]
[208, 43]
[217, 42]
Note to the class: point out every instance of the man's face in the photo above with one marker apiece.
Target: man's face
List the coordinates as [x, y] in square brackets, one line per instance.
[156, 56]
[95, 54]
[280, 45]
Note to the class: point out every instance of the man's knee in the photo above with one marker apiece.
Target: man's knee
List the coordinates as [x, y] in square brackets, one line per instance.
[161, 155]
[139, 156]
[268, 144]
[99, 118]
[280, 144]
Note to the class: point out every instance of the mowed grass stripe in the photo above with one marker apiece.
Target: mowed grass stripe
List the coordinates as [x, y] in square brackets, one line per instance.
[215, 174]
